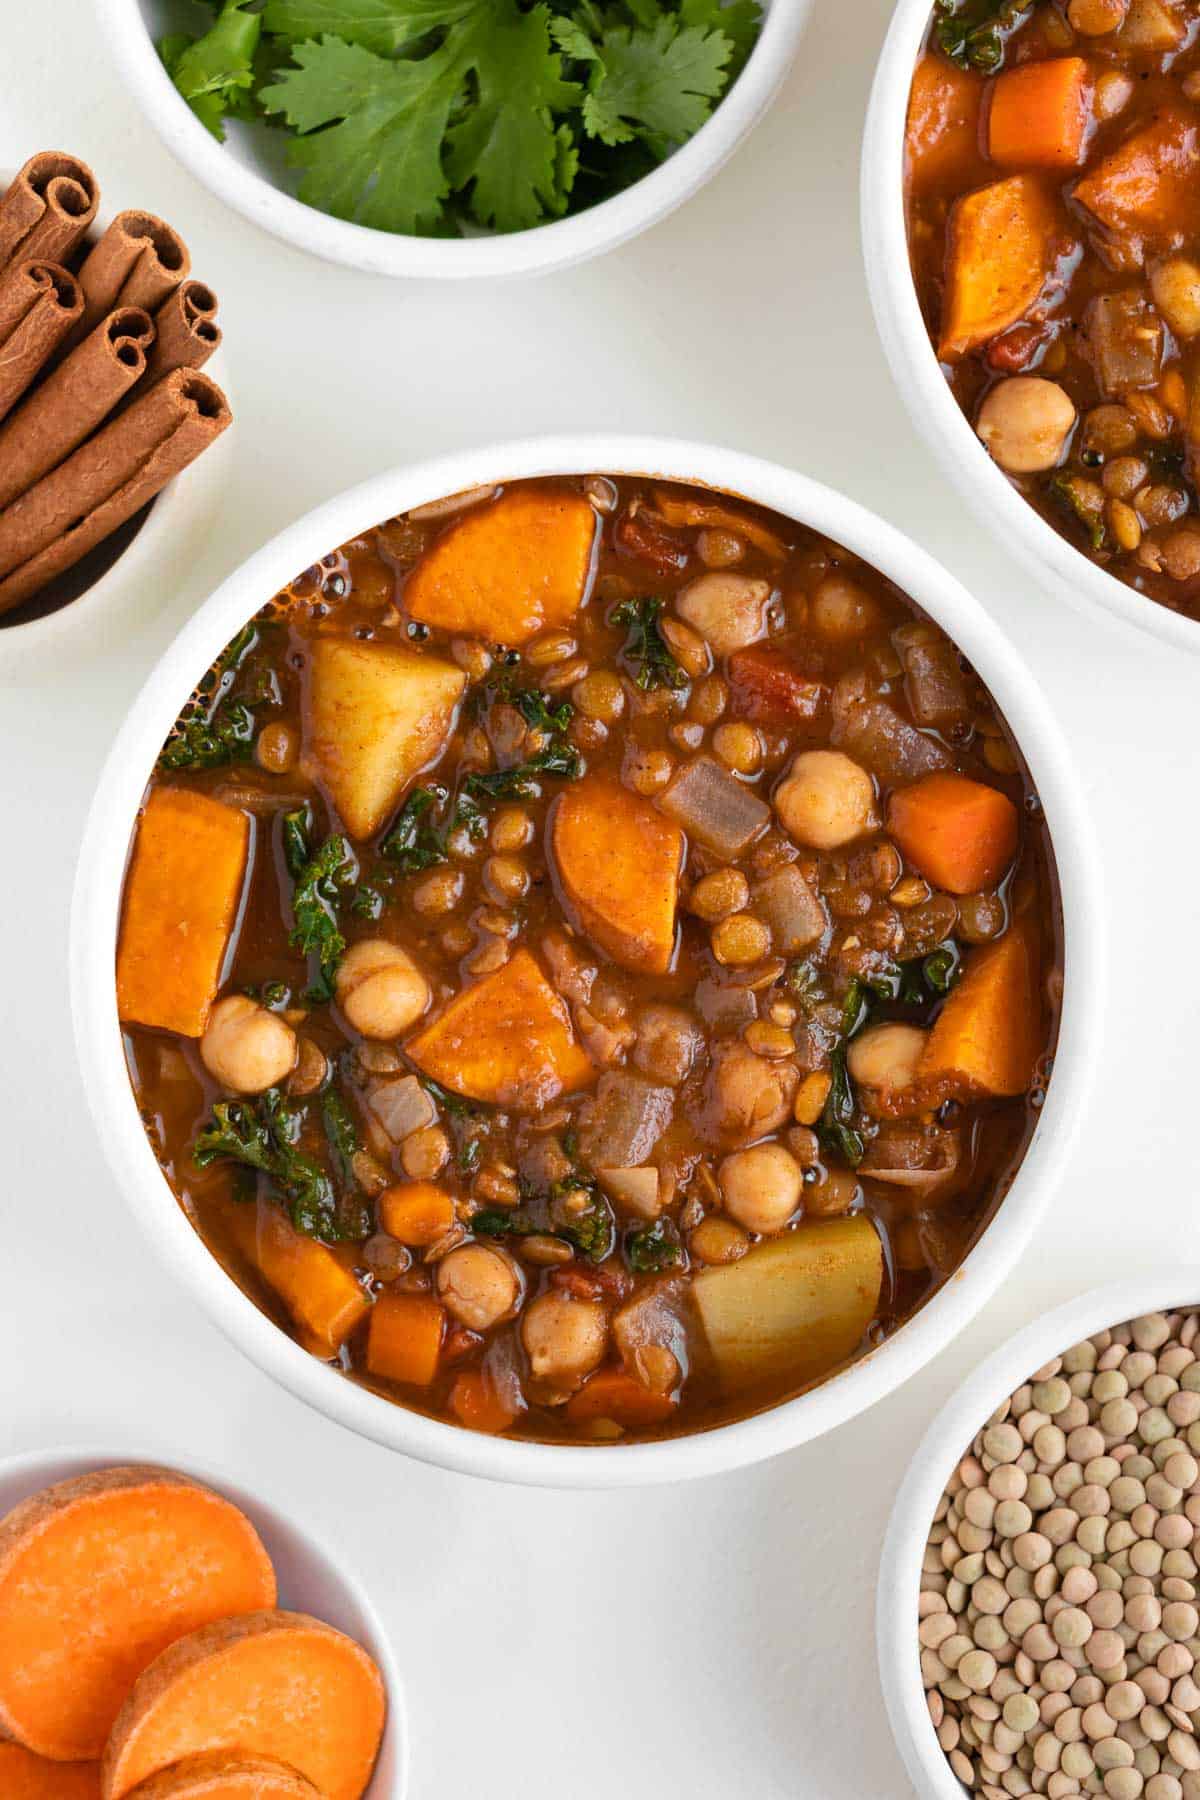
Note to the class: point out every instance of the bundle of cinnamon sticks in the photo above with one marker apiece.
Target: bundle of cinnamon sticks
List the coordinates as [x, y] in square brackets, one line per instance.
[102, 342]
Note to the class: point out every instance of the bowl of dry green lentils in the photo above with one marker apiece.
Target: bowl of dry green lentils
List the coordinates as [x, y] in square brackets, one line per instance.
[1038, 1613]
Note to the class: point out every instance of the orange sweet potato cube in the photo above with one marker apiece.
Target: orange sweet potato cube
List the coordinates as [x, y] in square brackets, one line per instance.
[988, 1033]
[999, 254]
[1148, 190]
[404, 1338]
[942, 139]
[618, 861]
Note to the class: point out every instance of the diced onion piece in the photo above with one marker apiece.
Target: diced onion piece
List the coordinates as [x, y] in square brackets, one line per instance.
[715, 808]
[624, 1122]
[635, 1190]
[789, 907]
[877, 735]
[401, 1106]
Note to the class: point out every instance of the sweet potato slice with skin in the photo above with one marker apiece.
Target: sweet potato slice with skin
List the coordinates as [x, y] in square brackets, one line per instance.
[97, 1576]
[987, 1036]
[226, 1775]
[24, 1776]
[942, 137]
[1149, 188]
[277, 1684]
[1039, 114]
[181, 901]
[999, 255]
[377, 714]
[318, 1290]
[507, 1040]
[618, 862]
[505, 571]
[961, 834]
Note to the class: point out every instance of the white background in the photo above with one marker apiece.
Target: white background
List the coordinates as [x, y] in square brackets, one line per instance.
[705, 1641]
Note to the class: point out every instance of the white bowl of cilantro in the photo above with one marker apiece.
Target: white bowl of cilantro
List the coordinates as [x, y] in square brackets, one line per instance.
[454, 138]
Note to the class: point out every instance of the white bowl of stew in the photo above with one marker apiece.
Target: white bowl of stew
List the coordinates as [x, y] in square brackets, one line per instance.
[1094, 330]
[946, 1442]
[248, 172]
[619, 955]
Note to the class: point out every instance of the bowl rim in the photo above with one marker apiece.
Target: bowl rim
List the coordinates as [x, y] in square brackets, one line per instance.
[94, 921]
[978, 1395]
[250, 1498]
[554, 245]
[927, 396]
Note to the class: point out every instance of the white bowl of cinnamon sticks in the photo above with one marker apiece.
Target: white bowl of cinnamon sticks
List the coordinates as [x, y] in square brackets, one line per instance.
[104, 401]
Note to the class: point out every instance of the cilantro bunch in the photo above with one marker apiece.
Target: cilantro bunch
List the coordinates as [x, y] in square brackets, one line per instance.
[425, 116]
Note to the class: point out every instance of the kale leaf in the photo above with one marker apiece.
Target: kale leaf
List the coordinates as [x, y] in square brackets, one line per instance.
[413, 842]
[972, 33]
[1075, 498]
[215, 729]
[652, 1248]
[646, 648]
[264, 1135]
[320, 879]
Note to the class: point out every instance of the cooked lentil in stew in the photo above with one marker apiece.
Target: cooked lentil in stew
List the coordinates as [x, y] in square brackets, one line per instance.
[590, 958]
[1053, 194]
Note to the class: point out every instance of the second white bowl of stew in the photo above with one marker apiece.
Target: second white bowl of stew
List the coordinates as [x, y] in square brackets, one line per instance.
[569, 959]
[1031, 210]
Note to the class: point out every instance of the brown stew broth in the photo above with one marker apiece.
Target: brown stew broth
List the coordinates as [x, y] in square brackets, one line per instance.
[1124, 488]
[831, 624]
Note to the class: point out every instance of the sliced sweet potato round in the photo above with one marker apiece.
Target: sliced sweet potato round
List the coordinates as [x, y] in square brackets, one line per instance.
[97, 1576]
[24, 1776]
[504, 572]
[618, 862]
[275, 1684]
[507, 1040]
[226, 1775]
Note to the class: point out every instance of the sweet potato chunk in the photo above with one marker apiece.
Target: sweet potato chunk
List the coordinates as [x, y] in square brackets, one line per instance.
[618, 862]
[416, 1212]
[504, 572]
[24, 1776]
[318, 1291]
[960, 834]
[507, 1040]
[377, 713]
[988, 1033]
[476, 1403]
[617, 1395]
[1148, 190]
[97, 1576]
[226, 1775]
[999, 255]
[404, 1339]
[1039, 114]
[277, 1684]
[942, 139]
[181, 900]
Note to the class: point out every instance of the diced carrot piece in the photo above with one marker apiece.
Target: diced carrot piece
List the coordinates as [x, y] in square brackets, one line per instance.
[404, 1338]
[507, 1040]
[226, 1775]
[617, 1395]
[279, 1684]
[476, 1404]
[960, 834]
[97, 1576]
[683, 510]
[999, 256]
[416, 1212]
[505, 571]
[988, 1033]
[181, 900]
[618, 860]
[318, 1290]
[770, 688]
[942, 139]
[24, 1776]
[1149, 188]
[1039, 114]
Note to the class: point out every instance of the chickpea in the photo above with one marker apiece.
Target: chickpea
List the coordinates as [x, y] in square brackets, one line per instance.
[718, 1240]
[440, 892]
[1175, 285]
[827, 800]
[245, 1047]
[746, 1097]
[886, 1056]
[478, 1285]
[1096, 18]
[380, 989]
[668, 1042]
[564, 1339]
[726, 609]
[719, 549]
[1025, 422]
[761, 1186]
[842, 609]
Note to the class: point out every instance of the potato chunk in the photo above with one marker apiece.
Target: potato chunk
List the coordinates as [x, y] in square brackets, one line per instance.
[505, 571]
[795, 1307]
[507, 1041]
[618, 861]
[377, 714]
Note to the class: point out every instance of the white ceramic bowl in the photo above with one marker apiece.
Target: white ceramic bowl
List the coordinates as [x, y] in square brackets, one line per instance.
[942, 1447]
[313, 1578]
[246, 178]
[1054, 561]
[96, 911]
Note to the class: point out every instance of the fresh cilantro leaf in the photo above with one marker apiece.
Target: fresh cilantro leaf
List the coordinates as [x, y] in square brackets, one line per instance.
[385, 26]
[211, 71]
[739, 20]
[657, 84]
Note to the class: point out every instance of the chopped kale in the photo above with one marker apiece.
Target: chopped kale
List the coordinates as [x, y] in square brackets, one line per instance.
[454, 1104]
[216, 729]
[592, 1232]
[645, 648]
[835, 1129]
[652, 1248]
[264, 1135]
[536, 710]
[414, 843]
[1070, 494]
[973, 33]
[320, 879]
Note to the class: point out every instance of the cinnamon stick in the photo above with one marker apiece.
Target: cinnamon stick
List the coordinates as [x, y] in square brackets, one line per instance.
[67, 406]
[39, 303]
[138, 261]
[186, 331]
[106, 481]
[46, 209]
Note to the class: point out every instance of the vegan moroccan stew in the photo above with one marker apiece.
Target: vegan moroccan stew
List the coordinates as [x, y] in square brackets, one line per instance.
[590, 958]
[1053, 199]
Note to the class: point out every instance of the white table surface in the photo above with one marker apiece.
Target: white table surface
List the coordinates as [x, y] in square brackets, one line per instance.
[697, 1642]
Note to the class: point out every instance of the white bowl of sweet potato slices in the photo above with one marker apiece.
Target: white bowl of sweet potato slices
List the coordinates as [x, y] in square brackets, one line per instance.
[606, 958]
[172, 1636]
